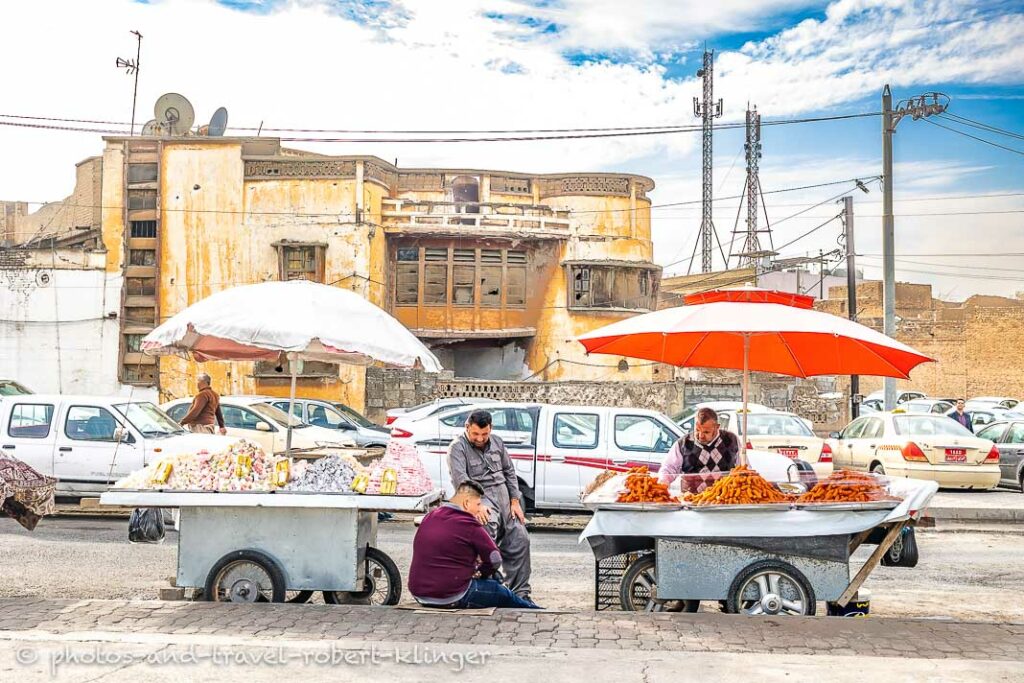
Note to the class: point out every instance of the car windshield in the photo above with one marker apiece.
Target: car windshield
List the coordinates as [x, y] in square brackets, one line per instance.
[148, 419]
[269, 412]
[769, 424]
[12, 388]
[924, 425]
[355, 416]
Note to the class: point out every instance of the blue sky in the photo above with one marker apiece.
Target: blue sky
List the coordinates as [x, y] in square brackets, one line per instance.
[427, 64]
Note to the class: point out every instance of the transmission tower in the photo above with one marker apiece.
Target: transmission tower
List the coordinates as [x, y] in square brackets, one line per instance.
[752, 251]
[707, 109]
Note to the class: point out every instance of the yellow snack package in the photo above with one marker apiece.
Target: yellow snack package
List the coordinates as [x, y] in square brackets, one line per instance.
[243, 463]
[388, 482]
[282, 472]
[360, 483]
[162, 472]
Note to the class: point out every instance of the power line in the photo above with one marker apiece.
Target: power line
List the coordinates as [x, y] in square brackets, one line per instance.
[963, 120]
[975, 137]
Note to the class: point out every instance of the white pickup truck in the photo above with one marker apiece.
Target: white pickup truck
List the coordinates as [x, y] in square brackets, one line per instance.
[89, 442]
[571, 445]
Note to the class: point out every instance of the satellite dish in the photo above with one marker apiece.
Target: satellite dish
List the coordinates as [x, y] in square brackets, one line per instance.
[151, 127]
[218, 122]
[175, 113]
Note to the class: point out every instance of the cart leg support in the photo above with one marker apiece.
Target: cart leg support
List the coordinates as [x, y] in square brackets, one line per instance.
[872, 562]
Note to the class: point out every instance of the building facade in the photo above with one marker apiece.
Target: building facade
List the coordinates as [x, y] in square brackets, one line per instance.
[496, 271]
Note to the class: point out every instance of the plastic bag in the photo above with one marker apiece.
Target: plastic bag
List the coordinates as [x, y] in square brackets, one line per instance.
[146, 525]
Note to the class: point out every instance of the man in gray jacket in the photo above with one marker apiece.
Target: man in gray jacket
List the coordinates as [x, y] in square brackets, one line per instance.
[480, 456]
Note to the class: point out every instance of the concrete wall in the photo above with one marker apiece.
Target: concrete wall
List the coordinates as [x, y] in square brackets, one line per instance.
[59, 327]
[82, 209]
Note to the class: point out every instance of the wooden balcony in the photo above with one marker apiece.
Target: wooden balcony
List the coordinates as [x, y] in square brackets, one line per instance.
[501, 220]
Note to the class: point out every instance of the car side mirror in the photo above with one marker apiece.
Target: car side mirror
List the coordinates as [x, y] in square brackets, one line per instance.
[835, 435]
[346, 427]
[122, 435]
[262, 427]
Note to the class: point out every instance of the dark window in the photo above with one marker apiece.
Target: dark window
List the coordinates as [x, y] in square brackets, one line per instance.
[139, 315]
[140, 286]
[142, 173]
[143, 257]
[409, 254]
[435, 283]
[141, 199]
[30, 421]
[300, 263]
[90, 423]
[596, 286]
[139, 374]
[143, 229]
[133, 343]
[490, 286]
[306, 368]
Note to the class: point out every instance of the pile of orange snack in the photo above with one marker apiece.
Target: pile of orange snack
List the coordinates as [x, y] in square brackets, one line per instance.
[846, 486]
[743, 486]
[643, 488]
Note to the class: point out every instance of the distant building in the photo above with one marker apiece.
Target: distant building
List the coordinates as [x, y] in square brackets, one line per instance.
[497, 271]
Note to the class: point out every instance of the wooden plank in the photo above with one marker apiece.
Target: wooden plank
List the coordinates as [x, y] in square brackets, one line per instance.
[859, 539]
[869, 566]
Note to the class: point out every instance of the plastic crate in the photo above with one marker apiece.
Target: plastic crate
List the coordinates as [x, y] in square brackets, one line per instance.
[608, 575]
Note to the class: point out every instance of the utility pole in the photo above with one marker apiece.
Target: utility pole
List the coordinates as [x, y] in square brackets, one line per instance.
[707, 110]
[821, 274]
[851, 294]
[132, 67]
[916, 107]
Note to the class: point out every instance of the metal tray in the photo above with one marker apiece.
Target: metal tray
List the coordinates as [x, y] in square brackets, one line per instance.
[640, 507]
[870, 505]
[745, 506]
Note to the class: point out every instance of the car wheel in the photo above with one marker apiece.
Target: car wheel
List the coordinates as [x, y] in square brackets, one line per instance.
[903, 552]
[878, 469]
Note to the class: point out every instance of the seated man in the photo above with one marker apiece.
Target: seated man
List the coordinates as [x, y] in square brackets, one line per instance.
[450, 550]
[701, 457]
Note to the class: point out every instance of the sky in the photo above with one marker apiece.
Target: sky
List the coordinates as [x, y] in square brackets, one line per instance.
[542, 64]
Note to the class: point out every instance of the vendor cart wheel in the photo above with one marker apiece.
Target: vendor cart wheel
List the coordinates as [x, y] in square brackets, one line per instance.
[382, 583]
[245, 576]
[298, 597]
[638, 591]
[771, 587]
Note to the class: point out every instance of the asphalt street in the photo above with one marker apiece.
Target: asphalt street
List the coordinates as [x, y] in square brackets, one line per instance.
[964, 576]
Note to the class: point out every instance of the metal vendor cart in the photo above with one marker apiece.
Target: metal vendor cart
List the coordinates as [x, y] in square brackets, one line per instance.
[277, 546]
[771, 559]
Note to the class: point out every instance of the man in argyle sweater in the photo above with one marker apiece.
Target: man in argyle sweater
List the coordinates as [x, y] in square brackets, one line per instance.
[702, 457]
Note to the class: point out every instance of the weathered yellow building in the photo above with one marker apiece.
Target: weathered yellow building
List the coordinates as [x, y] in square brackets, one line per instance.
[497, 271]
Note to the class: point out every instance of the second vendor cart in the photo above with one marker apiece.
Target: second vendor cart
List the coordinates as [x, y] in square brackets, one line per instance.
[261, 547]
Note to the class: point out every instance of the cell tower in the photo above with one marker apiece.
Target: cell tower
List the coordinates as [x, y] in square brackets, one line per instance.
[707, 109]
[752, 251]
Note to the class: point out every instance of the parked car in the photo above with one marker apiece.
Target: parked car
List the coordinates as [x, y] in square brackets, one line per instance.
[991, 402]
[931, 447]
[8, 387]
[255, 419]
[89, 442]
[570, 445]
[431, 408]
[354, 415]
[686, 418]
[986, 415]
[928, 405]
[783, 433]
[872, 405]
[325, 414]
[901, 396]
[513, 423]
[1009, 439]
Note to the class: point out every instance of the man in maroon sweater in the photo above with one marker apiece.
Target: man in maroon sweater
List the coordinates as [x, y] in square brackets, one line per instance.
[450, 550]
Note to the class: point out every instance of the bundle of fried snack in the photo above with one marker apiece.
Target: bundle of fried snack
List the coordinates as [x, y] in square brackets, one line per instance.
[847, 486]
[641, 487]
[743, 486]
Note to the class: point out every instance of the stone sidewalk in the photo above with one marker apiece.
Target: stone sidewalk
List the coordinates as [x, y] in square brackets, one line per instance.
[594, 631]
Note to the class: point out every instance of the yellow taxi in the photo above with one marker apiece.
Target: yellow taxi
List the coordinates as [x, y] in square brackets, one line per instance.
[918, 446]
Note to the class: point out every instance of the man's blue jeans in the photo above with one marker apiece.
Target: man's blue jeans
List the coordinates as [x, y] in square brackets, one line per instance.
[491, 593]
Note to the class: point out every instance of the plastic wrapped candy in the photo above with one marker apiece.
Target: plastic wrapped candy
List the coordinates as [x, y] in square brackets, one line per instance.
[404, 462]
[329, 474]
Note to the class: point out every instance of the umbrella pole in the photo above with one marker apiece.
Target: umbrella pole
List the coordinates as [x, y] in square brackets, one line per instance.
[291, 401]
[746, 389]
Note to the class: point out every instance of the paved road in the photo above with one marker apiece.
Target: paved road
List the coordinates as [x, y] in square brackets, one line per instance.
[966, 576]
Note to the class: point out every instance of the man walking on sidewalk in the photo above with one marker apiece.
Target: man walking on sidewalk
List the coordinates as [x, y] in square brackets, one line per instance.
[205, 415]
